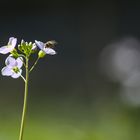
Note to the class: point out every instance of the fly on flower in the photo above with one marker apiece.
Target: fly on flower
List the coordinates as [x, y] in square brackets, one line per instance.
[46, 47]
[9, 47]
[50, 44]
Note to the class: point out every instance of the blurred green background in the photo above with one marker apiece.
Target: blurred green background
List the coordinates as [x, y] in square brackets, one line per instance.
[90, 89]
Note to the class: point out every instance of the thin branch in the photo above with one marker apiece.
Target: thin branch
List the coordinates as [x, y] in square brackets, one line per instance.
[34, 65]
[22, 55]
[23, 78]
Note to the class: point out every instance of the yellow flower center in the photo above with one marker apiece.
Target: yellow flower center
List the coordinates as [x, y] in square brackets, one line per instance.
[9, 46]
[15, 69]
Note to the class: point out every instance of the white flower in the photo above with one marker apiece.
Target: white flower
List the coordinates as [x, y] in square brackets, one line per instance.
[13, 67]
[9, 47]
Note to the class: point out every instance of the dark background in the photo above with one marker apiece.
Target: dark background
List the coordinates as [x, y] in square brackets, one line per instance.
[70, 97]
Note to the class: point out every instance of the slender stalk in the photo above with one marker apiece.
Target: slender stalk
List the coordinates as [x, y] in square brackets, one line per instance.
[34, 64]
[25, 102]
[23, 78]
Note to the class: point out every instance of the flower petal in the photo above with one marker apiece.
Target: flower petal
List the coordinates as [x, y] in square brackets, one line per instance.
[4, 50]
[16, 75]
[12, 41]
[19, 61]
[6, 71]
[10, 61]
[40, 44]
[34, 47]
[9, 47]
[49, 51]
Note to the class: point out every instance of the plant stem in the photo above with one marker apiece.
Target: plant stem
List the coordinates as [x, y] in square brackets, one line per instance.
[23, 78]
[25, 102]
[34, 64]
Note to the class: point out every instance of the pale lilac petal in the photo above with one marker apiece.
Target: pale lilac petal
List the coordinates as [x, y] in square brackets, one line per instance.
[19, 61]
[34, 47]
[16, 75]
[9, 47]
[6, 71]
[49, 51]
[40, 44]
[10, 61]
[4, 50]
[12, 41]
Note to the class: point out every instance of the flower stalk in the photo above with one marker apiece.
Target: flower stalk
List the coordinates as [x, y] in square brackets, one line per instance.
[34, 64]
[25, 102]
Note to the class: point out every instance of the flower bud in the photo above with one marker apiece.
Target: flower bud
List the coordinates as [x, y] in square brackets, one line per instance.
[41, 54]
[22, 42]
[34, 48]
[30, 43]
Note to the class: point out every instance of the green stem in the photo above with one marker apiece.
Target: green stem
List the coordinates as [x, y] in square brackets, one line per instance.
[34, 65]
[23, 78]
[25, 102]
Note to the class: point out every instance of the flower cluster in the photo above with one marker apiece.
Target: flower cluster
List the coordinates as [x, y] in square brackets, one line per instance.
[17, 56]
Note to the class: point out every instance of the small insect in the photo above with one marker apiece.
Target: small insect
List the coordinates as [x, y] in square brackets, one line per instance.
[50, 44]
